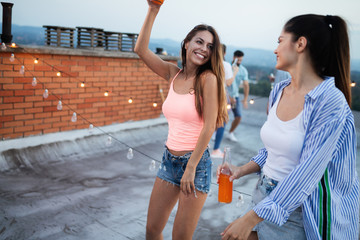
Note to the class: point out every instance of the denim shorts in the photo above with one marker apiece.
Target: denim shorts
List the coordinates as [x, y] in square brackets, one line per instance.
[292, 229]
[237, 109]
[172, 169]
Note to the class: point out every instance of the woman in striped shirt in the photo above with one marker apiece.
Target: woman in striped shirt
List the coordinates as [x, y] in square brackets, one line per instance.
[309, 187]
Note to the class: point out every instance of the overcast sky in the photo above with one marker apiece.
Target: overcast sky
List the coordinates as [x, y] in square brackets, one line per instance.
[250, 23]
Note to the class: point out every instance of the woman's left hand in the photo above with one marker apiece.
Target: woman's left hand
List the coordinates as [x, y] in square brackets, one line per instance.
[187, 185]
[241, 227]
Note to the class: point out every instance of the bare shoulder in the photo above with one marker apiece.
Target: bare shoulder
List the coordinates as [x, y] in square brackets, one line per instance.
[208, 79]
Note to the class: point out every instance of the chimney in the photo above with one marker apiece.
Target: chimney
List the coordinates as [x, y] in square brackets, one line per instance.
[6, 36]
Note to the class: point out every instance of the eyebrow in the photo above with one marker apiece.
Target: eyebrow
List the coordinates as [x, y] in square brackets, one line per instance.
[204, 40]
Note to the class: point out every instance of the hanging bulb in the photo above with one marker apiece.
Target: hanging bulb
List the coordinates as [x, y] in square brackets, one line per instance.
[36, 61]
[82, 84]
[13, 45]
[251, 101]
[240, 202]
[152, 166]
[22, 69]
[74, 117]
[109, 141]
[34, 82]
[106, 93]
[130, 154]
[130, 100]
[154, 104]
[3, 46]
[228, 106]
[91, 128]
[353, 84]
[59, 106]
[12, 57]
[46, 93]
[58, 74]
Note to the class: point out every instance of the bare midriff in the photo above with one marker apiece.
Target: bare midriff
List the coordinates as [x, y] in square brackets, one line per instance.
[179, 153]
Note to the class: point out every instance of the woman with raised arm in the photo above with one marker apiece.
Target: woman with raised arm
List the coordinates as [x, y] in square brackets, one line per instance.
[308, 187]
[194, 107]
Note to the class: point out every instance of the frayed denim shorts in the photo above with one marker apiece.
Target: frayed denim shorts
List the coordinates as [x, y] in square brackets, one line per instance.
[292, 229]
[173, 167]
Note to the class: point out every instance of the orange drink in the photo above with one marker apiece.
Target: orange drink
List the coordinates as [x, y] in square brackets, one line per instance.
[225, 188]
[158, 2]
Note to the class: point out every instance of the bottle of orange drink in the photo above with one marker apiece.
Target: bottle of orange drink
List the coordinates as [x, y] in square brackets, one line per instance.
[225, 186]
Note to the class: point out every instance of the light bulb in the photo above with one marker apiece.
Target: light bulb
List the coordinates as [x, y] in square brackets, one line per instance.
[353, 84]
[59, 106]
[106, 93]
[58, 74]
[74, 117]
[251, 101]
[109, 141]
[22, 69]
[228, 106]
[82, 84]
[154, 104]
[34, 82]
[3, 46]
[46, 93]
[12, 57]
[152, 166]
[240, 202]
[130, 154]
[36, 61]
[13, 45]
[130, 100]
[91, 128]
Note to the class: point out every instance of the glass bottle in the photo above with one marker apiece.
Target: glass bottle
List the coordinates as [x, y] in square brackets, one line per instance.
[225, 186]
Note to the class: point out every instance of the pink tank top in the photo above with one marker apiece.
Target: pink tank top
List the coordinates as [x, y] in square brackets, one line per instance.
[185, 124]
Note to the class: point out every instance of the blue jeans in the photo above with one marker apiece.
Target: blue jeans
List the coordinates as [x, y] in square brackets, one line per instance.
[237, 109]
[292, 229]
[173, 167]
[219, 136]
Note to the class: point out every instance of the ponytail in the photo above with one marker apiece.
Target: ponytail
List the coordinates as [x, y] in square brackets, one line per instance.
[328, 46]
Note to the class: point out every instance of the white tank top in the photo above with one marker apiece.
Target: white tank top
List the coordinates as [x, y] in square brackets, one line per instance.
[283, 141]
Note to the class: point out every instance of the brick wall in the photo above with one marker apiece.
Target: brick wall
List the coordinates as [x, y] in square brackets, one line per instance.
[24, 111]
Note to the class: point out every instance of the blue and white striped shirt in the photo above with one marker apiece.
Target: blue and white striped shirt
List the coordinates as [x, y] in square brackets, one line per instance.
[325, 182]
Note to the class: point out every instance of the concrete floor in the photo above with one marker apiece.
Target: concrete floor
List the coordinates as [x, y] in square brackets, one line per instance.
[78, 187]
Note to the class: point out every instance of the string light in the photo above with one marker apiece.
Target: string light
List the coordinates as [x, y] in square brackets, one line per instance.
[240, 202]
[46, 93]
[82, 84]
[74, 117]
[34, 82]
[3, 46]
[13, 45]
[12, 57]
[130, 100]
[109, 141]
[22, 70]
[152, 166]
[58, 74]
[154, 104]
[130, 154]
[353, 84]
[228, 106]
[36, 61]
[59, 106]
[251, 101]
[106, 93]
[91, 128]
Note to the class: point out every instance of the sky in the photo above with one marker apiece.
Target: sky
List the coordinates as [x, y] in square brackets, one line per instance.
[250, 24]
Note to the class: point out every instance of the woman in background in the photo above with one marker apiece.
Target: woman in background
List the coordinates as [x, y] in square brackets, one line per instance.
[309, 187]
[194, 107]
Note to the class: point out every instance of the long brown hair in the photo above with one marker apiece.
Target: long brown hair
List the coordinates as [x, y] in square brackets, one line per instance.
[215, 65]
[328, 46]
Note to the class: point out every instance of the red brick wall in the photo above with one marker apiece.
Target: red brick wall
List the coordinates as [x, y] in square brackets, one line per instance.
[24, 111]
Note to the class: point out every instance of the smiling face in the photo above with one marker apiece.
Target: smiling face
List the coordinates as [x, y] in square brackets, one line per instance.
[199, 48]
[286, 54]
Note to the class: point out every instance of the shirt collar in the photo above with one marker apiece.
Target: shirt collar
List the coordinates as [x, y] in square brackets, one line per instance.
[328, 82]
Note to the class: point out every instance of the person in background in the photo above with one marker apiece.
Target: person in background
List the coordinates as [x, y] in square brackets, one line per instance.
[233, 90]
[230, 73]
[194, 107]
[308, 187]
